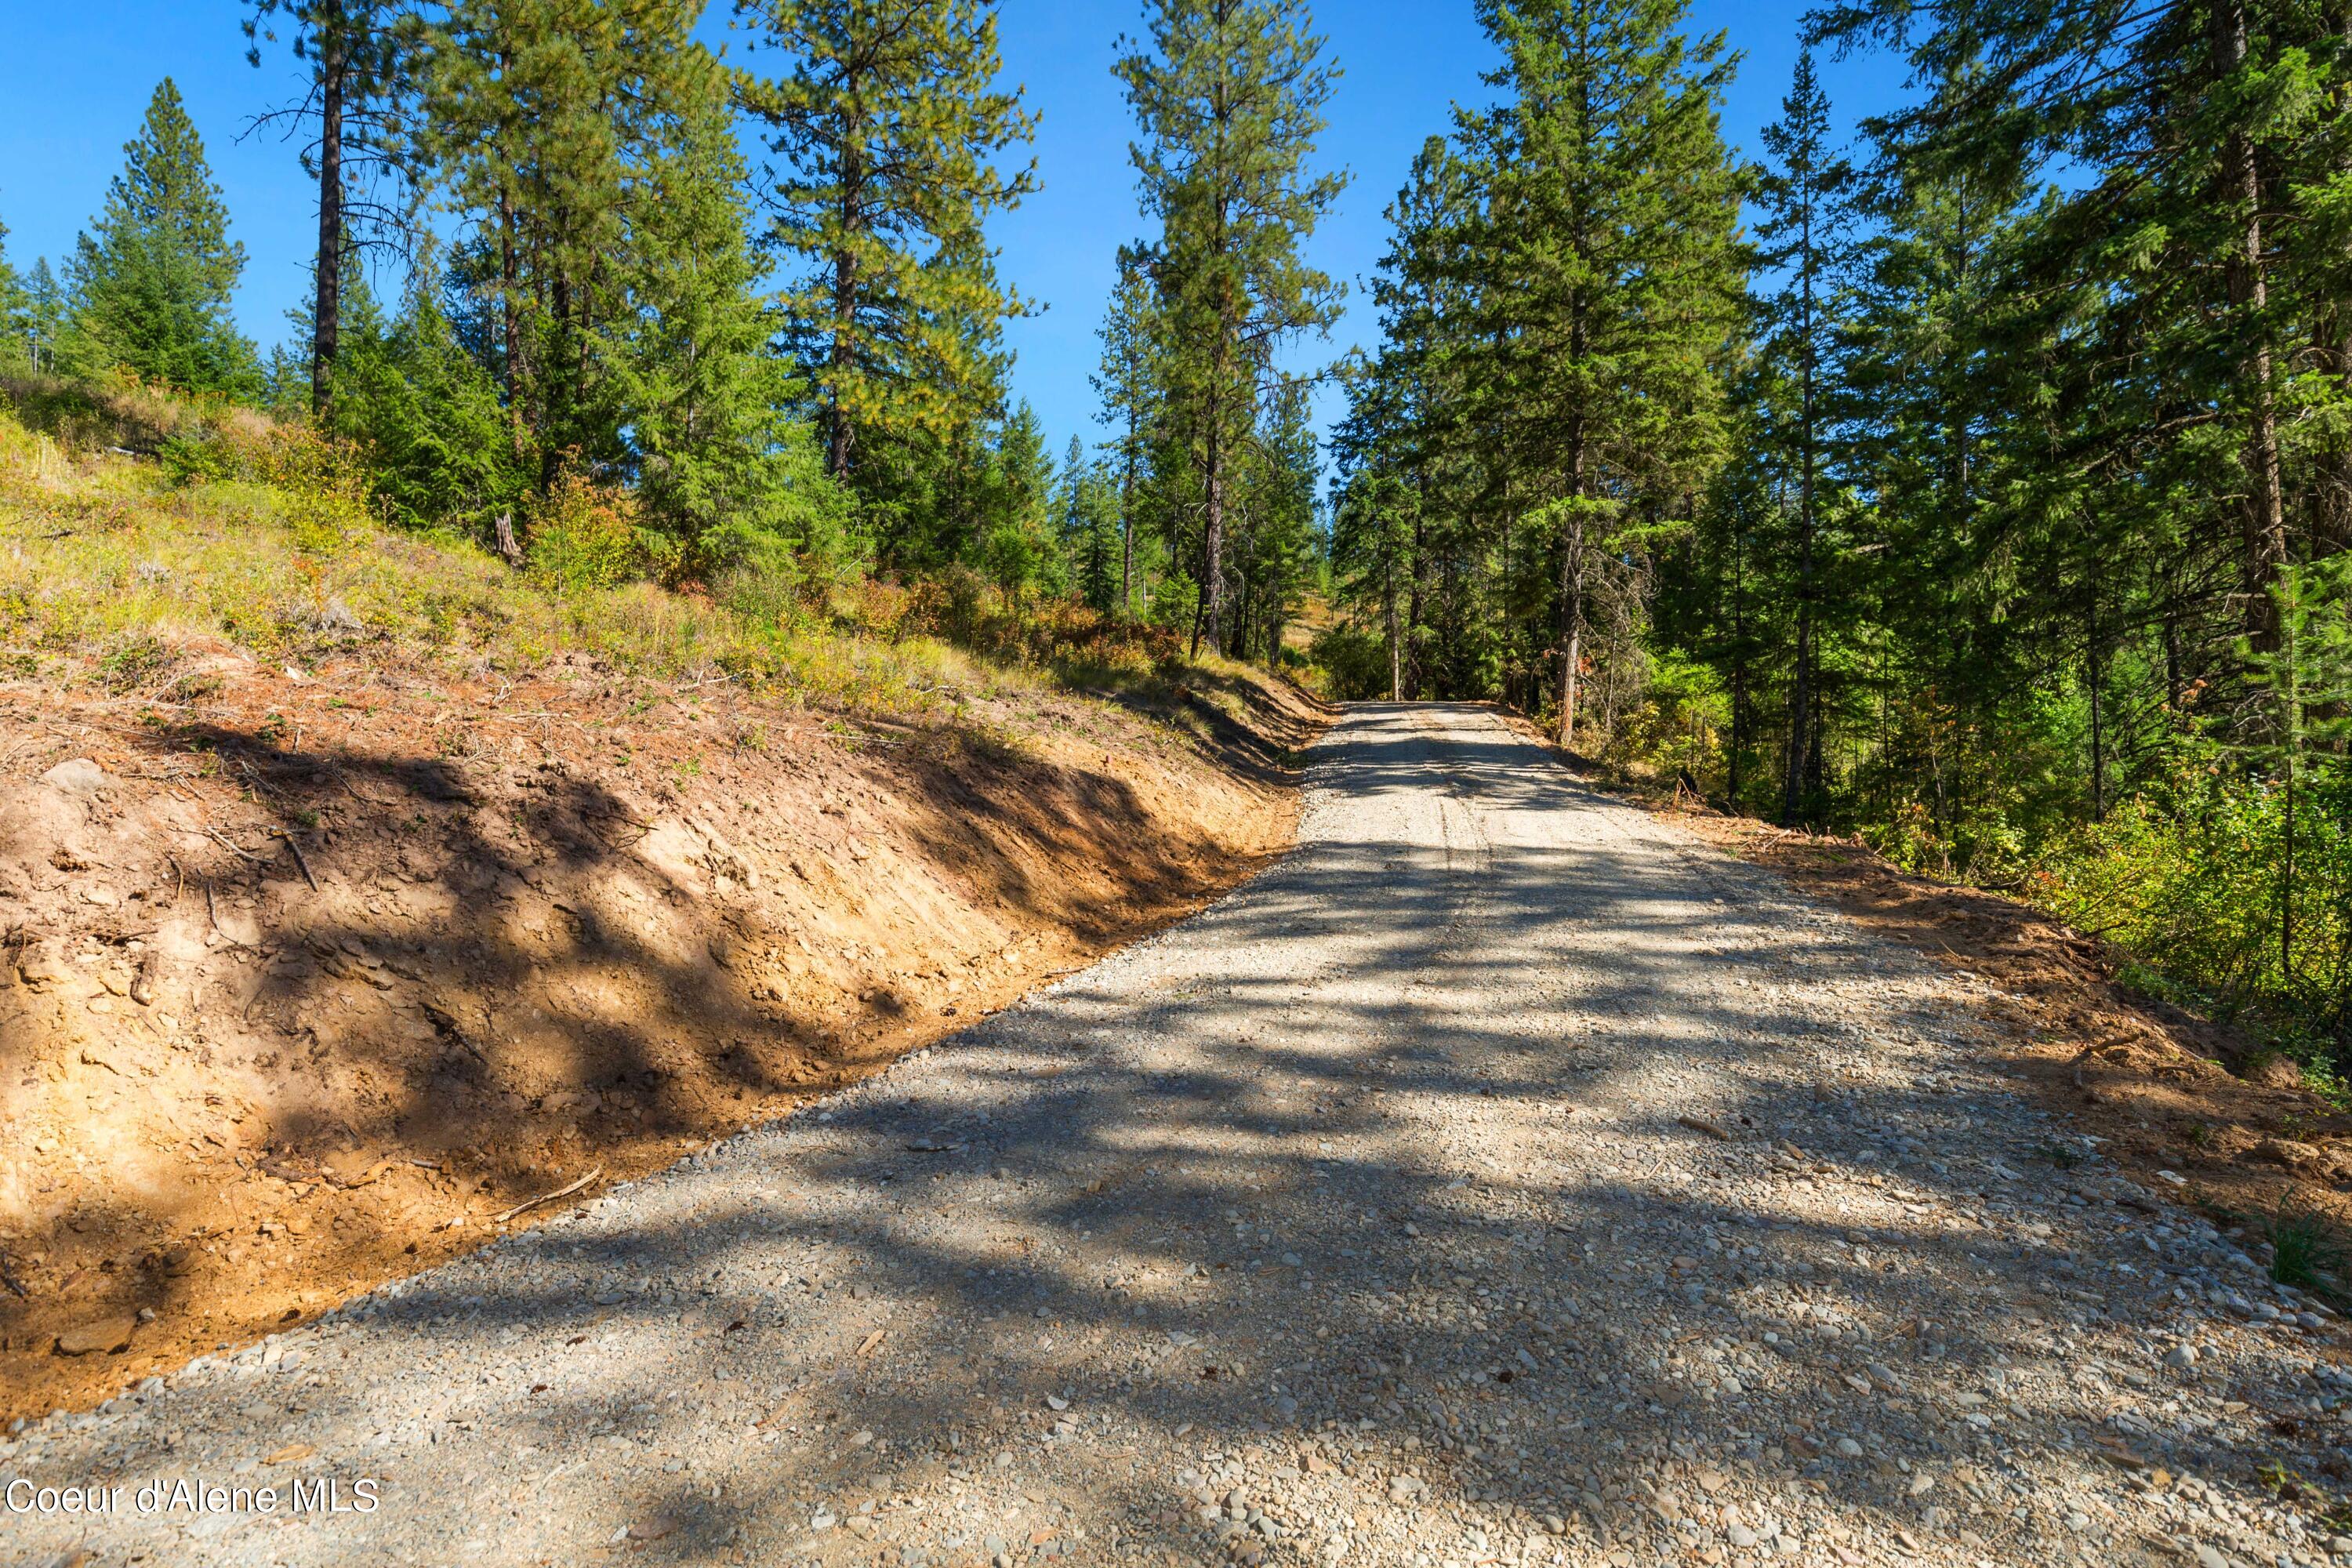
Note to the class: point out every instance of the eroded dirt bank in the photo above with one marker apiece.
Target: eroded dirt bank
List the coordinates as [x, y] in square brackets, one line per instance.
[306, 981]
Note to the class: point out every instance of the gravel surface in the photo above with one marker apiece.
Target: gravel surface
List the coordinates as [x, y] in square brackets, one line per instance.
[1504, 1178]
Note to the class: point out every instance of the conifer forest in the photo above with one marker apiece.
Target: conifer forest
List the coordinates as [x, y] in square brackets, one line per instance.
[1976, 483]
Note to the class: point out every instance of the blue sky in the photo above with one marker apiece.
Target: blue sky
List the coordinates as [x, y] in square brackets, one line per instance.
[82, 74]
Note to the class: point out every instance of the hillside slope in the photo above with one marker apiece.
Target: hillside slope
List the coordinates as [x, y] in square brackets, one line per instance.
[315, 958]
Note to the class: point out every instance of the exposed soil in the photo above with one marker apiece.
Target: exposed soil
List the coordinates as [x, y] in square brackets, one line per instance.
[1504, 1178]
[2156, 1083]
[304, 983]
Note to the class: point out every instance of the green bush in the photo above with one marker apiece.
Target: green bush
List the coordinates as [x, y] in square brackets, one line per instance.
[1355, 661]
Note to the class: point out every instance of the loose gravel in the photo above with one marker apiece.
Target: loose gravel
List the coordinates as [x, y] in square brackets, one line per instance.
[1504, 1178]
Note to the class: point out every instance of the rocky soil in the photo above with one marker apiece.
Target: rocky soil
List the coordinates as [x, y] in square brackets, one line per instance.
[310, 977]
[1506, 1177]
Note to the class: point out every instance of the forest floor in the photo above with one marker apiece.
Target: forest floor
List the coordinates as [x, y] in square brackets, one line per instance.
[1506, 1176]
[310, 976]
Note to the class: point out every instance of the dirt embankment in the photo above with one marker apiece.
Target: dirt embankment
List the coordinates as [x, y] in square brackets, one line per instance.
[306, 984]
[2167, 1090]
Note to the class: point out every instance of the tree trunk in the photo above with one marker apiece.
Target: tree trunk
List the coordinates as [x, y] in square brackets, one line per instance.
[1212, 543]
[838, 436]
[1396, 652]
[326, 310]
[1571, 607]
[1127, 525]
[2265, 515]
[1804, 747]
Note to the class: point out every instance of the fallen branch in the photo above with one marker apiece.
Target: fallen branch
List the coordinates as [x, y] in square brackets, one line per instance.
[296, 850]
[564, 1191]
[242, 855]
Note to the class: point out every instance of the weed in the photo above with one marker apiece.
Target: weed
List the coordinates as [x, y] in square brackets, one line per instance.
[2307, 1248]
[134, 664]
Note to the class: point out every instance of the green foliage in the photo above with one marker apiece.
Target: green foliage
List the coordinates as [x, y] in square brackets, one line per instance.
[723, 470]
[16, 311]
[1229, 97]
[584, 538]
[894, 142]
[428, 414]
[1355, 663]
[2307, 1250]
[1017, 546]
[152, 278]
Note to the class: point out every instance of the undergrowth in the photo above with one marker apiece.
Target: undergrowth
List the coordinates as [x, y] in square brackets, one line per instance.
[140, 535]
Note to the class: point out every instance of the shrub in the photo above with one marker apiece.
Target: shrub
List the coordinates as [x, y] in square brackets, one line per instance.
[585, 537]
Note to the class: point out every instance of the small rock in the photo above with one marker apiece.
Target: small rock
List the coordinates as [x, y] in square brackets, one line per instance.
[2181, 1357]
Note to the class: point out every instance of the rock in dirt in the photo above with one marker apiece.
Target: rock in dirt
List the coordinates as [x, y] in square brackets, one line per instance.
[104, 1336]
[79, 776]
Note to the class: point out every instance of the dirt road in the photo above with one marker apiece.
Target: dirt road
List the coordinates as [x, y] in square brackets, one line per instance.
[1502, 1178]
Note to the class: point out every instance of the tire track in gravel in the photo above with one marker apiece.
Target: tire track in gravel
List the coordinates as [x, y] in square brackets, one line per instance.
[1500, 1179]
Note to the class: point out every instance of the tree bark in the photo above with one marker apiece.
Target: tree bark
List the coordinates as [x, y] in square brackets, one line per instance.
[326, 310]
[2265, 515]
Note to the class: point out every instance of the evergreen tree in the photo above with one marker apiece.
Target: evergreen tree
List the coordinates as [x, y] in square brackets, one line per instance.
[1228, 95]
[1128, 384]
[1607, 277]
[16, 311]
[891, 131]
[359, 54]
[45, 314]
[1017, 544]
[151, 280]
[1802, 234]
[715, 451]
[428, 414]
[1087, 511]
[538, 117]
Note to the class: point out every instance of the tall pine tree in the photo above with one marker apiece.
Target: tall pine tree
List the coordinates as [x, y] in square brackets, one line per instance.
[152, 278]
[1608, 274]
[1229, 97]
[891, 133]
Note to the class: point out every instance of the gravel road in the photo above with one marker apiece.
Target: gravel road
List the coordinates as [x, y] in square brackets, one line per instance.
[1503, 1178]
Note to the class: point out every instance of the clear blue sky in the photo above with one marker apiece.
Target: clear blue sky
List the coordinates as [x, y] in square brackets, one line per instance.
[80, 76]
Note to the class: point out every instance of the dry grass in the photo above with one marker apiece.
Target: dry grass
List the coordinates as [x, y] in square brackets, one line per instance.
[115, 571]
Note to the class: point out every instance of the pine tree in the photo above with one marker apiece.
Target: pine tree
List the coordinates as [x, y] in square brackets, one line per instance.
[361, 55]
[45, 314]
[891, 133]
[1802, 234]
[1017, 544]
[1607, 276]
[1128, 384]
[428, 414]
[151, 280]
[708, 401]
[537, 117]
[16, 311]
[1228, 95]
[1086, 509]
